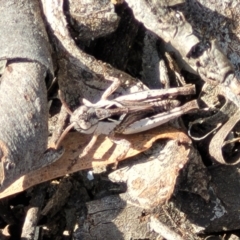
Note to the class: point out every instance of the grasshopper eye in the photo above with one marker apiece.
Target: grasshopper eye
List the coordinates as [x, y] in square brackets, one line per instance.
[83, 125]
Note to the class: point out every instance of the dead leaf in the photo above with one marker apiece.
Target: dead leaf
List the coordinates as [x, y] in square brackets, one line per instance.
[103, 153]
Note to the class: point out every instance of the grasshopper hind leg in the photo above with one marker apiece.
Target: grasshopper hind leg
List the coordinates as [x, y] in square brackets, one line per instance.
[112, 88]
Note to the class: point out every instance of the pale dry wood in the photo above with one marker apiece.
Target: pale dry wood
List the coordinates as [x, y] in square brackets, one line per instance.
[151, 180]
[103, 153]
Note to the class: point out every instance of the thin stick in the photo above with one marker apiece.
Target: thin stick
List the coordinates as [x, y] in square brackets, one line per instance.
[163, 230]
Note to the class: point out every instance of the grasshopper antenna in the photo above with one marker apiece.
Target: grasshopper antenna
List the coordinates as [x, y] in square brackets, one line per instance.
[65, 132]
[64, 102]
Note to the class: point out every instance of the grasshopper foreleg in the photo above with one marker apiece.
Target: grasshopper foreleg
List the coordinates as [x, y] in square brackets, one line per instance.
[112, 88]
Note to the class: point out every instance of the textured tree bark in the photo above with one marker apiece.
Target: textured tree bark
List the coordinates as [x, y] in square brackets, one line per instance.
[24, 132]
[23, 94]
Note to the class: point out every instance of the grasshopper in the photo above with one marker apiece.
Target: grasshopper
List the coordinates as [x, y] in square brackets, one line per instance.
[127, 114]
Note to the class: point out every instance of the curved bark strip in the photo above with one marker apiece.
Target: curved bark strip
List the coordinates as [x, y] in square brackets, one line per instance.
[215, 147]
[23, 95]
[90, 70]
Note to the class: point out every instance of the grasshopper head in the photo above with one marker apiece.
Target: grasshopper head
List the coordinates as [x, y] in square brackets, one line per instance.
[85, 119]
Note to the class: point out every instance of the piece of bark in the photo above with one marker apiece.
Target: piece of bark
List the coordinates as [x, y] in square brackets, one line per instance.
[166, 24]
[103, 153]
[110, 218]
[23, 95]
[198, 57]
[148, 185]
[93, 20]
[220, 125]
[56, 202]
[216, 144]
[151, 182]
[24, 132]
[228, 36]
[217, 20]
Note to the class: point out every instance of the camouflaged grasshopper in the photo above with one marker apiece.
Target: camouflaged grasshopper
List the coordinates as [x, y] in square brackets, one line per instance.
[127, 114]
